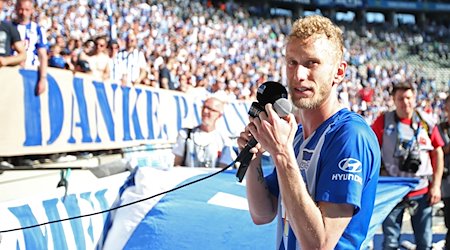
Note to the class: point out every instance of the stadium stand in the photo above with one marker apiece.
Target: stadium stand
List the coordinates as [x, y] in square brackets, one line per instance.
[231, 47]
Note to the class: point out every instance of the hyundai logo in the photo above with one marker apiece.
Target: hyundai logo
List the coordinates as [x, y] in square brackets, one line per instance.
[350, 165]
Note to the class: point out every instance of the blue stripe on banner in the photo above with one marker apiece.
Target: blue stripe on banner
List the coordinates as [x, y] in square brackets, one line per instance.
[33, 127]
[73, 209]
[34, 238]
[59, 239]
[87, 197]
[108, 218]
[100, 197]
[55, 109]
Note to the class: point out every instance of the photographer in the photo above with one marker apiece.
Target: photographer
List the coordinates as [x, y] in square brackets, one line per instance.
[444, 129]
[411, 146]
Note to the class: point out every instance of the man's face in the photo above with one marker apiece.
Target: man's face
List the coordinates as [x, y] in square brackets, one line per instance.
[312, 67]
[131, 41]
[101, 45]
[24, 11]
[211, 112]
[405, 102]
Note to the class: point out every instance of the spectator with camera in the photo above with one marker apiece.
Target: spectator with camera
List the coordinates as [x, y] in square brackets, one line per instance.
[411, 146]
[444, 129]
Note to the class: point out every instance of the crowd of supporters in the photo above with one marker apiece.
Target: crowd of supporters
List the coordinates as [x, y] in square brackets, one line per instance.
[198, 48]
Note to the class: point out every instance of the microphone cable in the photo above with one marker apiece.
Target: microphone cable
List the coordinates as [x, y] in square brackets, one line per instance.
[123, 205]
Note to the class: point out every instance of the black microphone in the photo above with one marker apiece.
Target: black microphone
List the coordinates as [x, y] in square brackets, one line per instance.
[268, 92]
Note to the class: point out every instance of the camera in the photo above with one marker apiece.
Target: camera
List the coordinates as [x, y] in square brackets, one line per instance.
[408, 155]
[412, 162]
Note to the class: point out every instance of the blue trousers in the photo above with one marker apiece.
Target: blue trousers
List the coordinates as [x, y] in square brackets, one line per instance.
[421, 221]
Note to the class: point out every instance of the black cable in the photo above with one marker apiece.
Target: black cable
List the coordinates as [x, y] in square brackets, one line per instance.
[121, 206]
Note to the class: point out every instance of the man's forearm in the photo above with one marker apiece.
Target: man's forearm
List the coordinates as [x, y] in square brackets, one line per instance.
[437, 162]
[262, 205]
[14, 60]
[43, 63]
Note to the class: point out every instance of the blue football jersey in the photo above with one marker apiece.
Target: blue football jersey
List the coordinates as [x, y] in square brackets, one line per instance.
[34, 39]
[339, 163]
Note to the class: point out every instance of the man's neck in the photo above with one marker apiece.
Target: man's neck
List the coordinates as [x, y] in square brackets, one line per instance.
[207, 128]
[311, 119]
[23, 22]
[405, 116]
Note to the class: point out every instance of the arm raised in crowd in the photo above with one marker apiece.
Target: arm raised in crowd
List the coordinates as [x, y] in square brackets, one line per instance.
[17, 58]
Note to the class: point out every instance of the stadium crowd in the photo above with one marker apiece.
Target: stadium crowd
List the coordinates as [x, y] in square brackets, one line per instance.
[200, 48]
[222, 50]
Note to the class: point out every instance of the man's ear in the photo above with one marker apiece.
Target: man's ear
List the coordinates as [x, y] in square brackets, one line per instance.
[340, 74]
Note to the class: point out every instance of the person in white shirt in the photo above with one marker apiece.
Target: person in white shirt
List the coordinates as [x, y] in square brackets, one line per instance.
[35, 41]
[205, 145]
[99, 61]
[132, 59]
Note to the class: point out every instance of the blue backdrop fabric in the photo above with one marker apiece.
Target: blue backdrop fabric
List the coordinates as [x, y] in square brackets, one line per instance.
[184, 219]
[213, 214]
[390, 191]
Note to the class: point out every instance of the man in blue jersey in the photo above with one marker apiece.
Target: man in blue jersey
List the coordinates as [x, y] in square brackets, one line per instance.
[326, 169]
[35, 41]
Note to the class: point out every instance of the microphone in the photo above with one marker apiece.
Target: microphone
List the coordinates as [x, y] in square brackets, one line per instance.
[268, 92]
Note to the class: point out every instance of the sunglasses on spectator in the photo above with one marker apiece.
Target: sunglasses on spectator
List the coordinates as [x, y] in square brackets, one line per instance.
[211, 109]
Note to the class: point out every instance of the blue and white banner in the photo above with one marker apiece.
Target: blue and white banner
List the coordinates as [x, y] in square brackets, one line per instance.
[77, 113]
[87, 195]
[210, 214]
[433, 6]
[340, 3]
[390, 191]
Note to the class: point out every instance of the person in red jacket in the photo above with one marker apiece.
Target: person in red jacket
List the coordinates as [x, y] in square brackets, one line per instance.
[411, 146]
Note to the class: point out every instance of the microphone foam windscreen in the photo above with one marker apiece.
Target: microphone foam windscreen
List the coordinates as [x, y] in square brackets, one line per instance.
[270, 91]
[282, 106]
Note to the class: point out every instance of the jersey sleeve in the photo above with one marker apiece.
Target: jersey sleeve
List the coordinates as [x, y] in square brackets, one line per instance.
[348, 161]
[436, 138]
[272, 183]
[42, 39]
[378, 128]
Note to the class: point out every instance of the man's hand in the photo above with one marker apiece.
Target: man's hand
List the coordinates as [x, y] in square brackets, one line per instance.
[434, 194]
[245, 137]
[273, 132]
